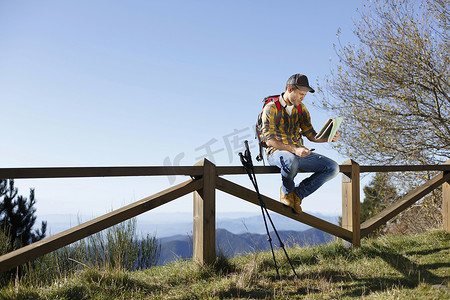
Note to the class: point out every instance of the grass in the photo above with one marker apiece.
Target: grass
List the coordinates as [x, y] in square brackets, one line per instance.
[118, 247]
[391, 267]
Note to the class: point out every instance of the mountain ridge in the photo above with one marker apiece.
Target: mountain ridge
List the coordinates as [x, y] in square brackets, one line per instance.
[169, 224]
[230, 244]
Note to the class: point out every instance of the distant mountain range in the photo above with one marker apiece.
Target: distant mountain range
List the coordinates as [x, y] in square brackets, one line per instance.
[180, 246]
[239, 233]
[234, 223]
[169, 224]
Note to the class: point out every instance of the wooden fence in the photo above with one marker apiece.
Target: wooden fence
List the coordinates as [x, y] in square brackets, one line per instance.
[205, 179]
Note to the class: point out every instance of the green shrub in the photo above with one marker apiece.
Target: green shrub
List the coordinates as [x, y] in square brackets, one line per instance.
[117, 247]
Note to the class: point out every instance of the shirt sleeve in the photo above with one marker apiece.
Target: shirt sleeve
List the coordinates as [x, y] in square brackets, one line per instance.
[268, 122]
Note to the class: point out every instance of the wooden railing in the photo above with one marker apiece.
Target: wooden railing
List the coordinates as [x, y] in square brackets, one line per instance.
[205, 179]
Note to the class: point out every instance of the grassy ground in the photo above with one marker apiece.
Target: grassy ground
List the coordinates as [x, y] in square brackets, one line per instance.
[404, 267]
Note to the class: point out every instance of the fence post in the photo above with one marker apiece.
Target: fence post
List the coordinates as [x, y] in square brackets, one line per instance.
[446, 203]
[204, 233]
[351, 202]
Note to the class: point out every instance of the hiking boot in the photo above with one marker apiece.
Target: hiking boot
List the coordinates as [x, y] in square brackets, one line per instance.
[287, 199]
[297, 203]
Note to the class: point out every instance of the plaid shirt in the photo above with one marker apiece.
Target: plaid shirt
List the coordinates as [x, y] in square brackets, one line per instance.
[286, 128]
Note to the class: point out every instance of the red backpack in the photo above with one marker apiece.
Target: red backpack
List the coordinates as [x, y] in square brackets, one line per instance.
[259, 124]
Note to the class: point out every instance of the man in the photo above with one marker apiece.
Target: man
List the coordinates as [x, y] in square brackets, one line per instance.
[282, 130]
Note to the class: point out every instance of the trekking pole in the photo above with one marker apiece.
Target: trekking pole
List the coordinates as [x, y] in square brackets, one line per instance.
[246, 160]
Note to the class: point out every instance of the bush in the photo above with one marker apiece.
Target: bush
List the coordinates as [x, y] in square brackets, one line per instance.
[117, 247]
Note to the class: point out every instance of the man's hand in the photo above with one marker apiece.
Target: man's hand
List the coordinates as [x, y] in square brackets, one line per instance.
[302, 152]
[313, 139]
[336, 136]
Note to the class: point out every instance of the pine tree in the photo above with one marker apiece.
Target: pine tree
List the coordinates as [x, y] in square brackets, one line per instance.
[378, 194]
[17, 216]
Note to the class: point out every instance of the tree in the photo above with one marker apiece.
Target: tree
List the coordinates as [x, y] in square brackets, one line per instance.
[378, 194]
[393, 87]
[17, 216]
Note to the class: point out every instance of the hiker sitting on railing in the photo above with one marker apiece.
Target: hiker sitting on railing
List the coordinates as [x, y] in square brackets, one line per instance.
[284, 120]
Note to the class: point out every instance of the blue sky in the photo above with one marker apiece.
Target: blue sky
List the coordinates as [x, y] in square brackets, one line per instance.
[149, 83]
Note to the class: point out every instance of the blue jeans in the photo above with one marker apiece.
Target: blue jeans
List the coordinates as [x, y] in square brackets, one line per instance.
[323, 167]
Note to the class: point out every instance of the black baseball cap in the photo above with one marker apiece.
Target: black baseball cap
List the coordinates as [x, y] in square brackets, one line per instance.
[300, 80]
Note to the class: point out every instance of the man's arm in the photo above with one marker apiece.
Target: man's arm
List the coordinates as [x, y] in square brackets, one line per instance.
[312, 138]
[299, 151]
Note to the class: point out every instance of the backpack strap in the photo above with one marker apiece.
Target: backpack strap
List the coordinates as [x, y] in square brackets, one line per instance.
[275, 99]
[277, 103]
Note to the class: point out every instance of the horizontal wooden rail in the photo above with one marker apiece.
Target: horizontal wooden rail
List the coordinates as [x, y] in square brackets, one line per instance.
[65, 172]
[402, 168]
[278, 207]
[37, 249]
[235, 170]
[396, 208]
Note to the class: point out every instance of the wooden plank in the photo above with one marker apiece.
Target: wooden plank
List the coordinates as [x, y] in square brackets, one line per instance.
[446, 206]
[237, 170]
[446, 202]
[30, 252]
[345, 168]
[204, 233]
[396, 208]
[346, 203]
[64, 172]
[276, 206]
[351, 201]
[404, 168]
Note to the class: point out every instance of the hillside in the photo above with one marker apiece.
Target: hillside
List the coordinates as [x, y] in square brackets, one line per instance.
[392, 267]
